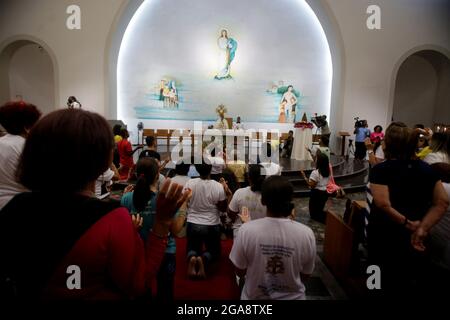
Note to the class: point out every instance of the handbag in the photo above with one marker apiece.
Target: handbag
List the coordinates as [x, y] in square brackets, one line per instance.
[332, 187]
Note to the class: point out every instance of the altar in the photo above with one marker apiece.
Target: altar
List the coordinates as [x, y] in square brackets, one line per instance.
[302, 138]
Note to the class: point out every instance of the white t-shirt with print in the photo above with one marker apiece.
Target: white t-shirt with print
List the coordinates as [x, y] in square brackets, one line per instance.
[322, 182]
[245, 197]
[274, 251]
[11, 147]
[202, 207]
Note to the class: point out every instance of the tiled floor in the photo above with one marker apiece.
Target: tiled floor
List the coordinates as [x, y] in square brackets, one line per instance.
[322, 285]
[333, 204]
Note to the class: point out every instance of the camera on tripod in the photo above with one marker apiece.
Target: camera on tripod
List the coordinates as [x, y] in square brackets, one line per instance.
[359, 123]
[322, 124]
[319, 121]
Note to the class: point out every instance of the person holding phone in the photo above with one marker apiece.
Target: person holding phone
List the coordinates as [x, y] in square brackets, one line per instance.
[324, 148]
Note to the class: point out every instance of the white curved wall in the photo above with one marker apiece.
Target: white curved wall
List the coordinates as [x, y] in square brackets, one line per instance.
[31, 77]
[370, 56]
[79, 54]
[421, 89]
[176, 39]
[415, 91]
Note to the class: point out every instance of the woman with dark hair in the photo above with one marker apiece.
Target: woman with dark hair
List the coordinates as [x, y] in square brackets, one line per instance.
[440, 148]
[317, 182]
[209, 199]
[248, 199]
[275, 253]
[141, 199]
[408, 199]
[142, 202]
[377, 135]
[17, 118]
[83, 248]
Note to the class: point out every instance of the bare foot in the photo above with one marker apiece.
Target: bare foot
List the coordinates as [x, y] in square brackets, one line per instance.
[192, 266]
[201, 268]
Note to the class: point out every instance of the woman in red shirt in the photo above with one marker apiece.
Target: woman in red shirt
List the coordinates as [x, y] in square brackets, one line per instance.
[60, 242]
[126, 155]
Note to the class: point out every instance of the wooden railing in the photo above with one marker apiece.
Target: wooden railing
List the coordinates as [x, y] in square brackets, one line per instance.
[167, 137]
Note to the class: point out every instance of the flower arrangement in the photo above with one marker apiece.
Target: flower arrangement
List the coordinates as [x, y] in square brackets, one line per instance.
[304, 124]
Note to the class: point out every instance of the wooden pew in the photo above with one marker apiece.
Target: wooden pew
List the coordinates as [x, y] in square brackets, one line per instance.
[340, 248]
[337, 246]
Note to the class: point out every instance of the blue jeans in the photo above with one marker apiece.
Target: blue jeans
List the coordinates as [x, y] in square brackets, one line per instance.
[199, 235]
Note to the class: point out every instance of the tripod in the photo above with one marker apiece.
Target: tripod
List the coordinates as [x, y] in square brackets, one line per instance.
[350, 149]
[317, 130]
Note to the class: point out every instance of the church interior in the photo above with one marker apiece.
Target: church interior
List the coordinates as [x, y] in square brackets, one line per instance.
[171, 150]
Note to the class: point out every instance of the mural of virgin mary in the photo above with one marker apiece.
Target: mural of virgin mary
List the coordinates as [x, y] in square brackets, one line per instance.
[227, 48]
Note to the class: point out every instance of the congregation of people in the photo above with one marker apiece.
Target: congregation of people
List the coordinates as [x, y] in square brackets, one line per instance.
[57, 168]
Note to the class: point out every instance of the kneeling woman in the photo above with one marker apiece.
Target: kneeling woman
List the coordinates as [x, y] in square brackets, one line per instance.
[142, 203]
[318, 181]
[209, 198]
